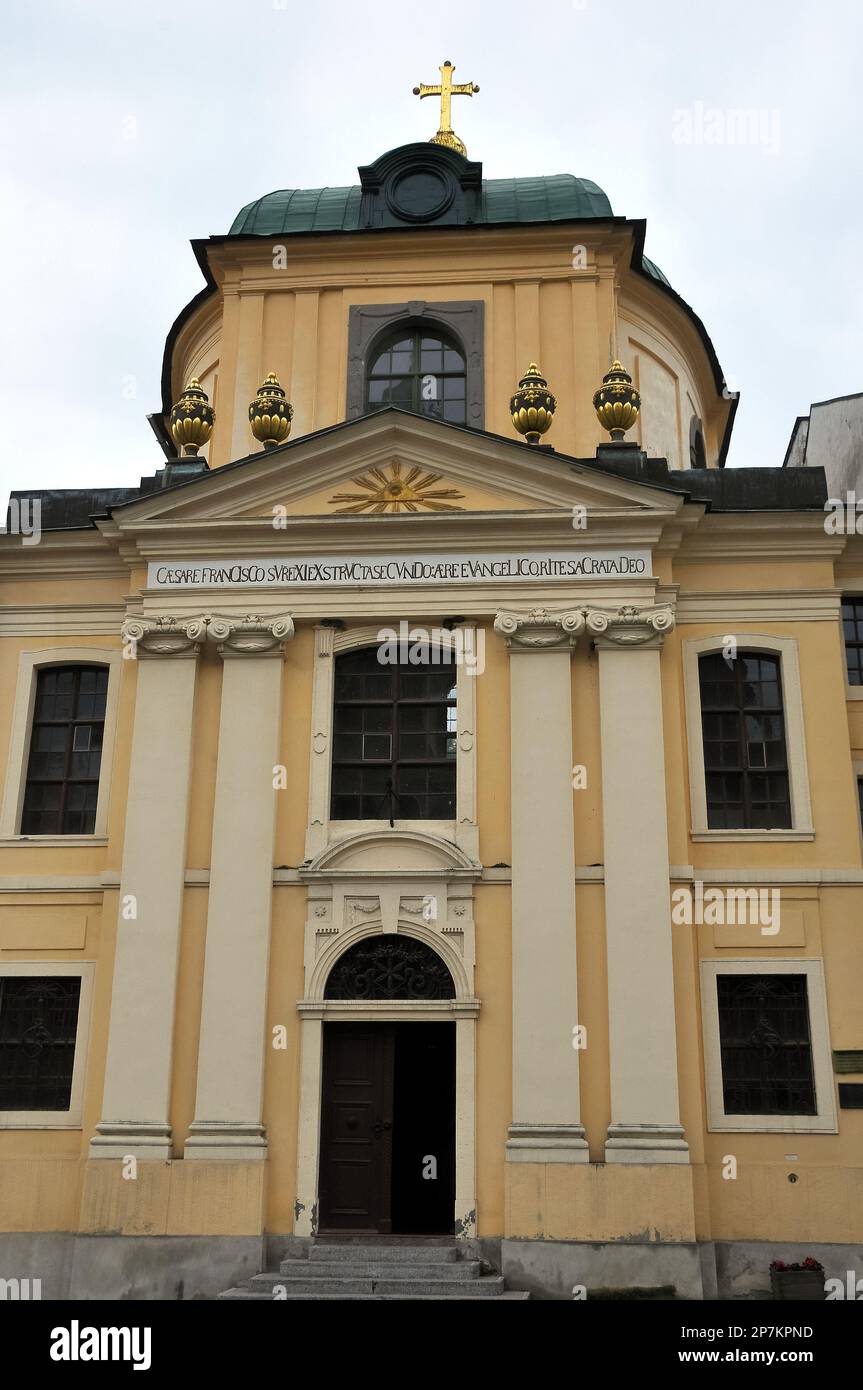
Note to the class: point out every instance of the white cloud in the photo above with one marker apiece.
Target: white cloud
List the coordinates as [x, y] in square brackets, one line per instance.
[127, 130]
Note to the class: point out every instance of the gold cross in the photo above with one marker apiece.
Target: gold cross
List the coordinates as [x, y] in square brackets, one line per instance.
[446, 91]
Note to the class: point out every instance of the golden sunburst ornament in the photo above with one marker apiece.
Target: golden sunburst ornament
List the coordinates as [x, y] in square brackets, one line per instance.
[397, 492]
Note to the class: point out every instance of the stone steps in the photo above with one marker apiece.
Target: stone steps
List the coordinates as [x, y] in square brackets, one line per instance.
[246, 1296]
[379, 1269]
[380, 1254]
[375, 1271]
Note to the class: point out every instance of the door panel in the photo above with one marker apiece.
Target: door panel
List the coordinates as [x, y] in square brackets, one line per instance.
[356, 1127]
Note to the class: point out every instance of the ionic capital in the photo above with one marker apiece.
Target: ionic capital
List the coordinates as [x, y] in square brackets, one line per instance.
[250, 636]
[539, 629]
[167, 635]
[629, 626]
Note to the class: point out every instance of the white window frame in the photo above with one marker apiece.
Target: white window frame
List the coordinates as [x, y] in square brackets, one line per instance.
[73, 1117]
[824, 1120]
[30, 663]
[786, 649]
[321, 831]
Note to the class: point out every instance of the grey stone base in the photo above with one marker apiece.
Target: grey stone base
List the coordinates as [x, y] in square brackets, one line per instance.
[81, 1267]
[551, 1269]
[743, 1266]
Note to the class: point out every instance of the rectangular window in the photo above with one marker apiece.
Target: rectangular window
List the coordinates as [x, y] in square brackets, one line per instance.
[765, 1045]
[852, 627]
[38, 1027]
[743, 729]
[394, 739]
[62, 786]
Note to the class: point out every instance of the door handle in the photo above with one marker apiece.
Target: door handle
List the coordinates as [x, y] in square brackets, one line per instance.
[379, 1126]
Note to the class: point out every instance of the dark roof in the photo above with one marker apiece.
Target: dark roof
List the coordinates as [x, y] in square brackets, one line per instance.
[721, 490]
[539, 200]
[64, 509]
[556, 198]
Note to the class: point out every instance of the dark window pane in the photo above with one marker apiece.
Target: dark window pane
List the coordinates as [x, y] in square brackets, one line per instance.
[852, 627]
[38, 1025]
[420, 371]
[743, 741]
[765, 1045]
[394, 758]
[65, 751]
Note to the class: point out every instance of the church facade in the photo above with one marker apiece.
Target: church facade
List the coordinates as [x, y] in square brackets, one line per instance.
[414, 824]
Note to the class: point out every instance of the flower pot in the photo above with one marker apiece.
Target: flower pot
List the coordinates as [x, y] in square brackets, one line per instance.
[797, 1285]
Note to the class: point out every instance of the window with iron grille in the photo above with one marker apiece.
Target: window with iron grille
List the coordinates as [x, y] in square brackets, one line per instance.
[745, 754]
[765, 1045]
[38, 1026]
[852, 628]
[394, 737]
[65, 751]
[419, 369]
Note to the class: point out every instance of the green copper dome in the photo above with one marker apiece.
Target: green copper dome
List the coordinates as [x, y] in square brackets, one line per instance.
[292, 211]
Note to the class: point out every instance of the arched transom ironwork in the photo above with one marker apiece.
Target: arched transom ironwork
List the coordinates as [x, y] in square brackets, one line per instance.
[390, 967]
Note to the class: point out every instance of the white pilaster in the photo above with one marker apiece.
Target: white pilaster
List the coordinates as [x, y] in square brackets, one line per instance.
[467, 829]
[645, 1116]
[228, 1120]
[308, 1124]
[546, 1122]
[465, 1129]
[320, 755]
[135, 1104]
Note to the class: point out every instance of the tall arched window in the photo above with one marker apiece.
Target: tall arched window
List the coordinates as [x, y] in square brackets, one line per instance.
[419, 369]
[394, 737]
[745, 754]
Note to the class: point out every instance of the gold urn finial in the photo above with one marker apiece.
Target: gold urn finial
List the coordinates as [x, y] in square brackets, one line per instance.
[533, 405]
[270, 413]
[617, 402]
[446, 90]
[192, 418]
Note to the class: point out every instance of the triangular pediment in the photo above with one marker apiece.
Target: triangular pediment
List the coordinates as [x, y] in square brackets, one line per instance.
[397, 464]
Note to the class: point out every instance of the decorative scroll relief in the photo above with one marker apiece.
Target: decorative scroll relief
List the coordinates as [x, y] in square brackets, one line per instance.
[433, 911]
[184, 636]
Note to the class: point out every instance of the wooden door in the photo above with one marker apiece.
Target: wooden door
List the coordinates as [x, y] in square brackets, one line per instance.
[356, 1127]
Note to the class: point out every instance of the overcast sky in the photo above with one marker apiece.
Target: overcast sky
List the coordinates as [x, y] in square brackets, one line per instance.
[128, 129]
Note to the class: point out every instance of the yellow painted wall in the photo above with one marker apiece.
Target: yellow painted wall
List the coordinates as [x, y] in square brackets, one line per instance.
[294, 321]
